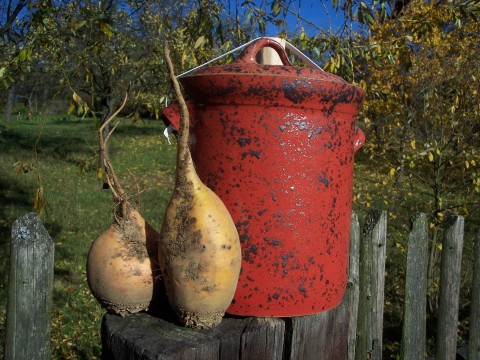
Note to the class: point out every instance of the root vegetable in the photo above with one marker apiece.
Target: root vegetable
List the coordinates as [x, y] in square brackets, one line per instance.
[122, 267]
[199, 249]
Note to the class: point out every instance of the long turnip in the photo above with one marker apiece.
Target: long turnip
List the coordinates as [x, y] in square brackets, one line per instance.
[122, 267]
[199, 249]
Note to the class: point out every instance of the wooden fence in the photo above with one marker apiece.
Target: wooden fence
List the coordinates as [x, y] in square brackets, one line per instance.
[351, 331]
[30, 290]
[370, 283]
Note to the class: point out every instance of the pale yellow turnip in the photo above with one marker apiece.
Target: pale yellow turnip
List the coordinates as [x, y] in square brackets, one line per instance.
[122, 266]
[199, 249]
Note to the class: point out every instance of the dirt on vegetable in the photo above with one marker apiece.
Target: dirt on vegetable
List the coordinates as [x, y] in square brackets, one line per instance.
[122, 267]
[199, 249]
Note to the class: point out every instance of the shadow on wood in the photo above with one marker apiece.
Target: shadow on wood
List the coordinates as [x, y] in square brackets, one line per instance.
[142, 336]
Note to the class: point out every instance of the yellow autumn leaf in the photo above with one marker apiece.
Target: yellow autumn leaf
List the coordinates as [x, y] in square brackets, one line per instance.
[39, 205]
[430, 156]
[200, 41]
[392, 171]
[71, 108]
[413, 144]
[99, 173]
[105, 28]
[76, 99]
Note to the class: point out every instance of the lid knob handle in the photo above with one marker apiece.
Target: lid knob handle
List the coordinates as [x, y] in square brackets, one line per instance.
[249, 54]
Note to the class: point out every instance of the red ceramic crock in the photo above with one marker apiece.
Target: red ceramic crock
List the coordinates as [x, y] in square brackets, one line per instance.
[276, 143]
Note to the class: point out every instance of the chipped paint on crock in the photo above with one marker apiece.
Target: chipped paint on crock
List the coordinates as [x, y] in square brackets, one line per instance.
[276, 144]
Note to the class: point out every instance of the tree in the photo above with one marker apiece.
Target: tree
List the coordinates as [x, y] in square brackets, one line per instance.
[90, 47]
[18, 19]
[423, 95]
[422, 108]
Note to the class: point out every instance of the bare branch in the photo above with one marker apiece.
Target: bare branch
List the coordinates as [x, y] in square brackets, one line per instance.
[11, 17]
[110, 175]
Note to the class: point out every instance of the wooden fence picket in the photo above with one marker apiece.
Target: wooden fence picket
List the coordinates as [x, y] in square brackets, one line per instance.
[447, 323]
[352, 292]
[413, 345]
[30, 291]
[372, 285]
[474, 337]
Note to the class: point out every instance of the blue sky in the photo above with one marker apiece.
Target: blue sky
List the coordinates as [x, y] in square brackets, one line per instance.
[313, 14]
[317, 12]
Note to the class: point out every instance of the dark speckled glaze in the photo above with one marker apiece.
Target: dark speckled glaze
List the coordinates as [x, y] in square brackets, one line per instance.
[276, 143]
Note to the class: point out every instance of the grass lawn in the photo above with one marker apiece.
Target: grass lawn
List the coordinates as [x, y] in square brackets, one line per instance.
[60, 155]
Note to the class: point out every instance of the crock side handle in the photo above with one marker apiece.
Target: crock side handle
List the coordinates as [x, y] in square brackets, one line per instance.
[171, 115]
[249, 54]
[359, 139]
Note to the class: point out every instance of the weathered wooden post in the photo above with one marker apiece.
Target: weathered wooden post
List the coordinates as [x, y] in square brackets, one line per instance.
[414, 317]
[146, 337]
[372, 284]
[318, 336]
[474, 338]
[352, 292]
[447, 326]
[30, 291]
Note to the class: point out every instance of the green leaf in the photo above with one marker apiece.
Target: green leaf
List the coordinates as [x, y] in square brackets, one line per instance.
[200, 42]
[261, 26]
[78, 24]
[71, 108]
[276, 8]
[23, 55]
[105, 28]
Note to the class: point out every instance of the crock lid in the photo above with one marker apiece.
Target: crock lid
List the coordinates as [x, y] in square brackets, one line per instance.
[247, 64]
[246, 82]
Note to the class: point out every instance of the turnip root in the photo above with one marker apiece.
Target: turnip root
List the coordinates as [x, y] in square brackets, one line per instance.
[122, 267]
[199, 249]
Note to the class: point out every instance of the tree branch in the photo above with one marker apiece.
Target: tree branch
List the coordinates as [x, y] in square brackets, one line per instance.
[11, 17]
[110, 175]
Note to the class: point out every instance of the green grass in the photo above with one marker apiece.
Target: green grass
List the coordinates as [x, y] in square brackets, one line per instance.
[60, 154]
